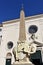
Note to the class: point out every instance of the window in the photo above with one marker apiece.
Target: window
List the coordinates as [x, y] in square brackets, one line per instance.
[10, 44]
[33, 29]
[8, 58]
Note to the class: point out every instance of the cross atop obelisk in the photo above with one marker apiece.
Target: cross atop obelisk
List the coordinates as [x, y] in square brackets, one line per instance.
[22, 33]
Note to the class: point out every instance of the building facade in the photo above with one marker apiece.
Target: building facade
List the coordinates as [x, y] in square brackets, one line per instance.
[9, 33]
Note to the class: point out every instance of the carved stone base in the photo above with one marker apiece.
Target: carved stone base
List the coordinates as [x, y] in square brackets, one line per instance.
[23, 63]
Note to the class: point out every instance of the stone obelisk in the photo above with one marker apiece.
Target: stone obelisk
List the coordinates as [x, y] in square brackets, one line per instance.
[22, 33]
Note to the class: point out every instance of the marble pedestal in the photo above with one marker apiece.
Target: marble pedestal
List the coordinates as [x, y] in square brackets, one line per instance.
[23, 63]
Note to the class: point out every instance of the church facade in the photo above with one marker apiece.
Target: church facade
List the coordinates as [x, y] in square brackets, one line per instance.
[10, 31]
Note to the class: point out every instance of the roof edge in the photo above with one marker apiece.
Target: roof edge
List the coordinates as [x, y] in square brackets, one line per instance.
[26, 18]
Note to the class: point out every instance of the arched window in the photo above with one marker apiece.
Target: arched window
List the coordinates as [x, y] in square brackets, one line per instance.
[8, 58]
[9, 54]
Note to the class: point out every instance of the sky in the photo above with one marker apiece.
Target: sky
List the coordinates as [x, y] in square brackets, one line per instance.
[10, 9]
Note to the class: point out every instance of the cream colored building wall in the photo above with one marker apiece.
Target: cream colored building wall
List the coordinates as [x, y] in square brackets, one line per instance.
[41, 28]
[10, 32]
[38, 33]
